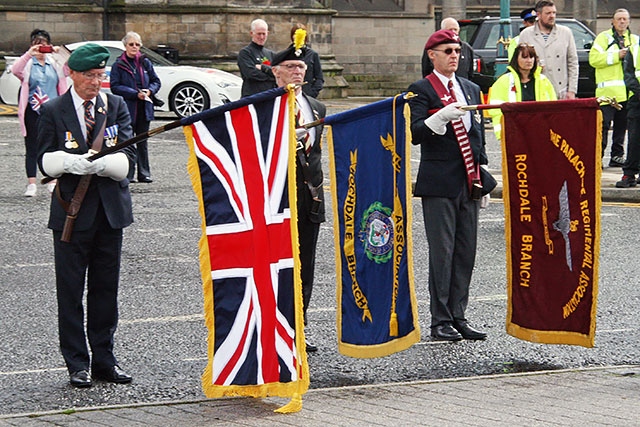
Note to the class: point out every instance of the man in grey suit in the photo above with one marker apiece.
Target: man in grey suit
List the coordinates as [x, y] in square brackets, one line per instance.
[83, 119]
[452, 148]
[289, 68]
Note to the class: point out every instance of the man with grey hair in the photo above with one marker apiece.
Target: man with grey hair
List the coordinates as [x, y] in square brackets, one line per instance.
[254, 61]
[465, 65]
[607, 57]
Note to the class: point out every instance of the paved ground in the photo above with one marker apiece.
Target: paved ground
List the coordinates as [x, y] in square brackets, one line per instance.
[602, 396]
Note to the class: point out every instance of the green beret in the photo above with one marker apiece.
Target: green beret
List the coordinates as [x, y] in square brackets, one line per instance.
[88, 57]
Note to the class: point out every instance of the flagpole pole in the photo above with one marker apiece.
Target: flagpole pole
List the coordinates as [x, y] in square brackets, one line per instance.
[110, 150]
[479, 107]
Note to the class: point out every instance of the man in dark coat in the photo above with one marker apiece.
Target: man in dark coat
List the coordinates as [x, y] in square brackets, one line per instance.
[465, 63]
[289, 68]
[254, 61]
[447, 183]
[70, 126]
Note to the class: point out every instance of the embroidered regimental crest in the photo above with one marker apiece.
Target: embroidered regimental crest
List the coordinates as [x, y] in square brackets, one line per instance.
[376, 233]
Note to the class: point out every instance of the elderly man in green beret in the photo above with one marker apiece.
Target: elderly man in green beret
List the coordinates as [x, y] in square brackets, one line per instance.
[71, 128]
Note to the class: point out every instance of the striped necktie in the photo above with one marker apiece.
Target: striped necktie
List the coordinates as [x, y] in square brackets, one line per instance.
[89, 121]
[463, 142]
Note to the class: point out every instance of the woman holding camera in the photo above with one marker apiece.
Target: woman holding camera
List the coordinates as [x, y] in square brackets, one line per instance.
[133, 78]
[40, 70]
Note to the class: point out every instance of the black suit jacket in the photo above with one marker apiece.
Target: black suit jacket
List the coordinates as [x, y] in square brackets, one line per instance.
[58, 117]
[442, 172]
[314, 158]
[254, 80]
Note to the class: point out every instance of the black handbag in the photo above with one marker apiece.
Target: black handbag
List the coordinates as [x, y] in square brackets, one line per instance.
[157, 101]
[487, 180]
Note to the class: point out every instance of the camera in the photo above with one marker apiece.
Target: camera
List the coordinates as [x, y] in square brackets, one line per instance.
[45, 48]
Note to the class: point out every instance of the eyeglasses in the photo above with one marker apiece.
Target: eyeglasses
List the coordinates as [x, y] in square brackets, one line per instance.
[134, 44]
[92, 76]
[292, 67]
[449, 50]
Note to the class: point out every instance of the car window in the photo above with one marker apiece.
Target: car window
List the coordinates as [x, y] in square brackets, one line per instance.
[156, 59]
[114, 53]
[584, 40]
[467, 31]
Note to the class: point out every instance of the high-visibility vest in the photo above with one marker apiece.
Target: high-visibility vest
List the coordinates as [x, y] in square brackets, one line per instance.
[604, 56]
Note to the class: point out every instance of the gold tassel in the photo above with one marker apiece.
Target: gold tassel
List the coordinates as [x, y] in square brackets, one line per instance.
[393, 325]
[294, 405]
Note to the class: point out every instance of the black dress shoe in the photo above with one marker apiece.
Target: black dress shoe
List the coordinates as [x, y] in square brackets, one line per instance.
[146, 179]
[445, 333]
[311, 348]
[468, 333]
[113, 375]
[80, 379]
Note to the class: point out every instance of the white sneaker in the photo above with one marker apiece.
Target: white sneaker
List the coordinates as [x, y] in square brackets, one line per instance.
[51, 186]
[31, 190]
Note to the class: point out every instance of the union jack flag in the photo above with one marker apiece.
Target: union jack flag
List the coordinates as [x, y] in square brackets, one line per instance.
[240, 166]
[38, 99]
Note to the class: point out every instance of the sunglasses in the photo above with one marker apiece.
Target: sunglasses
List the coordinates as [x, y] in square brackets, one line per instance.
[134, 44]
[449, 50]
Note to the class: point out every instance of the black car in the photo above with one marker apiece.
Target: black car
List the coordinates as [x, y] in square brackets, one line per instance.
[483, 35]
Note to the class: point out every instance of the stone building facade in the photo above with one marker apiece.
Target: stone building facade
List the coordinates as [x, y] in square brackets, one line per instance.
[368, 47]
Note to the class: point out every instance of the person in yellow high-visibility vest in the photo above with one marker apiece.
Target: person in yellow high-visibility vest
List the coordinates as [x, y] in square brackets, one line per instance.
[522, 82]
[606, 56]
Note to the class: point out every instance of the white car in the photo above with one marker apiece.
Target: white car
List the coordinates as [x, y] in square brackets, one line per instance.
[186, 90]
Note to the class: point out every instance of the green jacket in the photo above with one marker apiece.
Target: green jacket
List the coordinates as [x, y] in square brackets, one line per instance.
[507, 89]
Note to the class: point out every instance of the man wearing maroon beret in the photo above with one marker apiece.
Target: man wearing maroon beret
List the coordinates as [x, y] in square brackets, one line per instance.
[449, 182]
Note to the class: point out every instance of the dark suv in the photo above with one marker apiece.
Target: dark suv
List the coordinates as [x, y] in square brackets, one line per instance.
[483, 35]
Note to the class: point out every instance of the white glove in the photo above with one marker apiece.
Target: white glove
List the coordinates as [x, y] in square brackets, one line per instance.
[437, 122]
[116, 166]
[78, 164]
[301, 133]
[484, 201]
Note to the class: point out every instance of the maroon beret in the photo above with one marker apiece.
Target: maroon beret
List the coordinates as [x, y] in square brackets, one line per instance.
[441, 37]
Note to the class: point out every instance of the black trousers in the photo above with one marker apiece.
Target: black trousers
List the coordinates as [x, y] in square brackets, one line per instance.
[140, 126]
[31, 119]
[308, 238]
[93, 254]
[619, 119]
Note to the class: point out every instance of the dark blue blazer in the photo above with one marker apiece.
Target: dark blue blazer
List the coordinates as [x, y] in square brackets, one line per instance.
[441, 172]
[58, 117]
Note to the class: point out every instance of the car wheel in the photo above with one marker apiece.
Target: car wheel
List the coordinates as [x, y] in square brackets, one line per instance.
[188, 99]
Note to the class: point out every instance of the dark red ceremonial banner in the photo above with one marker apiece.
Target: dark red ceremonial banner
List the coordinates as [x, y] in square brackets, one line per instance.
[551, 177]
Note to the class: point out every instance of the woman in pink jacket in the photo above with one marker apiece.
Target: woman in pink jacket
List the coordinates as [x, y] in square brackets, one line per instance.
[41, 71]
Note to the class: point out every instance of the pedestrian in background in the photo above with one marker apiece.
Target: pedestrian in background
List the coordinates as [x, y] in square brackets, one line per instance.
[289, 68]
[447, 183]
[41, 73]
[631, 66]
[607, 56]
[556, 49]
[313, 78]
[465, 64]
[254, 61]
[133, 78]
[523, 81]
[82, 119]
[528, 17]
